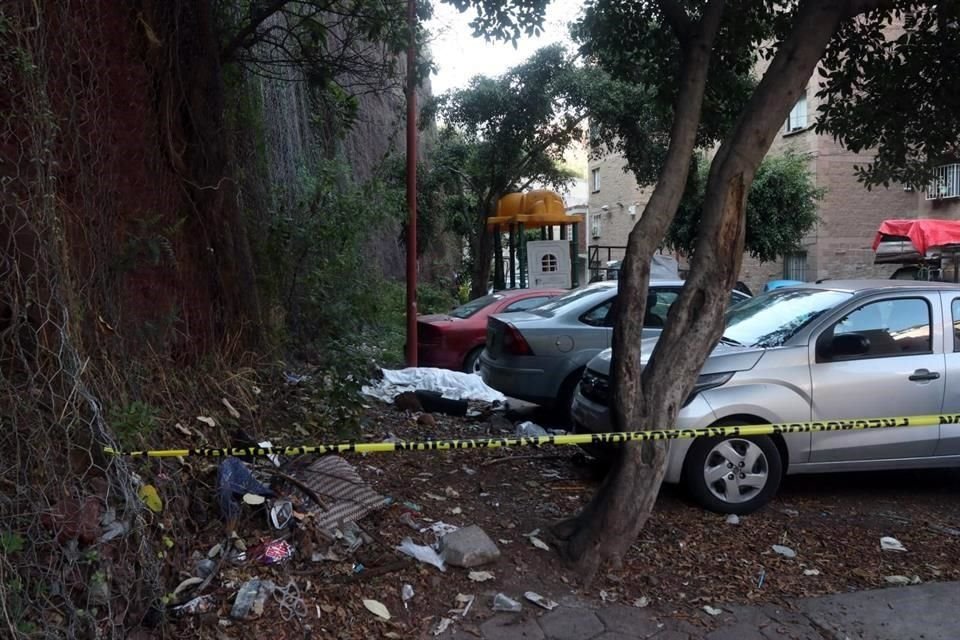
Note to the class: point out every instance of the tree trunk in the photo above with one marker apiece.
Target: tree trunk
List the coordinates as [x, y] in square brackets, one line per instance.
[482, 251]
[651, 397]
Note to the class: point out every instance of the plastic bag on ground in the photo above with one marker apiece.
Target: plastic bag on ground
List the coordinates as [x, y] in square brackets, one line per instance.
[422, 553]
[454, 385]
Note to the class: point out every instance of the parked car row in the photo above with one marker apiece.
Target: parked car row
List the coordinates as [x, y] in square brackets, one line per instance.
[832, 350]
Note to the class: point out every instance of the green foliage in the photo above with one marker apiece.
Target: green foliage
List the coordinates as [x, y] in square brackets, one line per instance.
[314, 254]
[781, 207]
[11, 542]
[895, 95]
[132, 422]
[635, 78]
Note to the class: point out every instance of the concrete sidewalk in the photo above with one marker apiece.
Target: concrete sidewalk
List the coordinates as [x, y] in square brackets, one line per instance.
[922, 612]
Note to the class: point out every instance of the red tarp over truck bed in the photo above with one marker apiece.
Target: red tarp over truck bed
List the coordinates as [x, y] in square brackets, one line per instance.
[923, 233]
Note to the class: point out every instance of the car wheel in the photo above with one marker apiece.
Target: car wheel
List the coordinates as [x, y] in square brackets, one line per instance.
[565, 397]
[733, 474]
[471, 364]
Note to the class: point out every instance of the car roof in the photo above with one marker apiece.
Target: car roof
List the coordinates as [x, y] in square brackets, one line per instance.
[858, 286]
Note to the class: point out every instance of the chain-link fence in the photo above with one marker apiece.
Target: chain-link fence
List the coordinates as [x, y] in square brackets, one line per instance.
[74, 558]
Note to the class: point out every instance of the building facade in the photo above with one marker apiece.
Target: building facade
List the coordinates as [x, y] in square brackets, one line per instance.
[840, 244]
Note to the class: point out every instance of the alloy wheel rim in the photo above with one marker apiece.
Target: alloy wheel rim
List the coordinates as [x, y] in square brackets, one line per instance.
[736, 470]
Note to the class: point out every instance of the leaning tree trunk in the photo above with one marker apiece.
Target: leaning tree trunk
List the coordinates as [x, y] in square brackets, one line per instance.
[483, 251]
[652, 397]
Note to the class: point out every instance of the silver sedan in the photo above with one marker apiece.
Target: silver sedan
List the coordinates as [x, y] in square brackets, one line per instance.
[837, 350]
[539, 355]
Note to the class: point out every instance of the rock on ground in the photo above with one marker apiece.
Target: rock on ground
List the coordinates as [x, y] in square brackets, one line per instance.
[468, 547]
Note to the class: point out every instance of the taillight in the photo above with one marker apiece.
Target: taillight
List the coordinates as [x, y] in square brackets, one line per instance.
[514, 342]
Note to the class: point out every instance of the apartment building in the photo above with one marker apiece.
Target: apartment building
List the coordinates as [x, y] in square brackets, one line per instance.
[840, 244]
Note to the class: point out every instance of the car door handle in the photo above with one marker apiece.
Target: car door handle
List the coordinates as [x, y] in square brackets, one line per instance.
[921, 375]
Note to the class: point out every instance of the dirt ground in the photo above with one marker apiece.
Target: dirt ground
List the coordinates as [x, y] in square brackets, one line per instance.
[686, 557]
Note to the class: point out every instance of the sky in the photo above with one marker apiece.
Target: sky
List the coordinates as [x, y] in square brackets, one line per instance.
[459, 56]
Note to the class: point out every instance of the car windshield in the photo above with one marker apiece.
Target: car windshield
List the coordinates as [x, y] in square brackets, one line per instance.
[771, 319]
[466, 310]
[550, 307]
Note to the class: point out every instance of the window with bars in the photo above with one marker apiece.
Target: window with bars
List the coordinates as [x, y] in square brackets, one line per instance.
[595, 179]
[795, 266]
[595, 220]
[548, 263]
[945, 183]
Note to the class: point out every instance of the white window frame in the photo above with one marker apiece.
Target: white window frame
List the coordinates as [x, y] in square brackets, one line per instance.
[798, 118]
[596, 220]
[595, 179]
[945, 183]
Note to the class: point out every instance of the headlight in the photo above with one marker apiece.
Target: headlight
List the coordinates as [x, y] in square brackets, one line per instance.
[708, 381]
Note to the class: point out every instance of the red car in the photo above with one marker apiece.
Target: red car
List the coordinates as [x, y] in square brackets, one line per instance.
[454, 340]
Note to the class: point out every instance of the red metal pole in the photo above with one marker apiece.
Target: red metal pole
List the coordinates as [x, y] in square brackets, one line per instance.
[412, 188]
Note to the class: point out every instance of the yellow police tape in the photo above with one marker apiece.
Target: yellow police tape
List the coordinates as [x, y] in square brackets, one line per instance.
[568, 439]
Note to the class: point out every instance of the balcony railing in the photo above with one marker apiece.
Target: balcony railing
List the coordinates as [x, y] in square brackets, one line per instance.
[945, 183]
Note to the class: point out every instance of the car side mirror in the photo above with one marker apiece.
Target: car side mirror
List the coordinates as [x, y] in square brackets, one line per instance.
[847, 345]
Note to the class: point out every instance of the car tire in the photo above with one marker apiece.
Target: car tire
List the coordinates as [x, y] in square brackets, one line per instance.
[471, 364]
[565, 397]
[720, 459]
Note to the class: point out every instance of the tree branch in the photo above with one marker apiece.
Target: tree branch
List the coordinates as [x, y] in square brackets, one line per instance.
[239, 39]
[677, 18]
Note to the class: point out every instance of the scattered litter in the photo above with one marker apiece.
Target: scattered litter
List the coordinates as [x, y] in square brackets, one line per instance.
[251, 599]
[185, 431]
[272, 552]
[377, 609]
[454, 385]
[253, 499]
[792, 513]
[480, 576]
[186, 585]
[889, 543]
[200, 604]
[641, 602]
[456, 511]
[235, 479]
[761, 578]
[540, 601]
[215, 550]
[204, 568]
[293, 379]
[350, 497]
[281, 513]
[116, 529]
[272, 457]
[468, 547]
[442, 626]
[467, 470]
[422, 553]
[898, 580]
[290, 601]
[406, 594]
[465, 601]
[712, 611]
[733, 519]
[407, 518]
[786, 552]
[434, 496]
[538, 543]
[412, 506]
[606, 597]
[230, 409]
[207, 420]
[451, 492]
[529, 429]
[502, 602]
[811, 572]
[439, 528]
